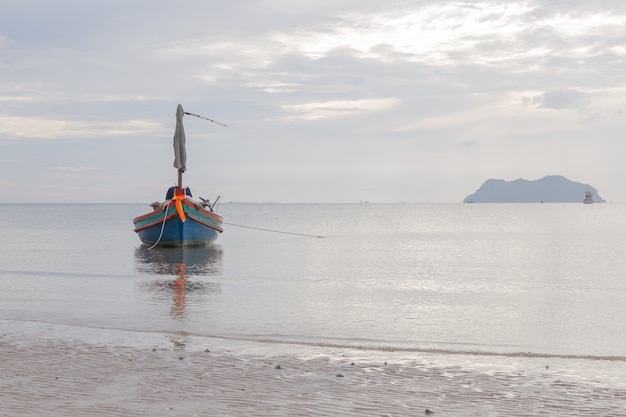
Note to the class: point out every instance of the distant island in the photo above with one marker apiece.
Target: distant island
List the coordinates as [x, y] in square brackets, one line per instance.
[549, 189]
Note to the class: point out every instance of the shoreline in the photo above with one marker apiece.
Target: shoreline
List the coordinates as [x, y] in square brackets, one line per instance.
[52, 376]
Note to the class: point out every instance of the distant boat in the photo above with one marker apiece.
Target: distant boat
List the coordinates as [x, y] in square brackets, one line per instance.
[180, 221]
[588, 197]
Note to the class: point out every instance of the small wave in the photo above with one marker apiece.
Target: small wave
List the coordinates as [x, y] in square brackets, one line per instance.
[64, 274]
[345, 345]
[396, 349]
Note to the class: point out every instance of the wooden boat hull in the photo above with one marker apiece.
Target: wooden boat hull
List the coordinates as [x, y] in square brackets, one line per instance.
[165, 228]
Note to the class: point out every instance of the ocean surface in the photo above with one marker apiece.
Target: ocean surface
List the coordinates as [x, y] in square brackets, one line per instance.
[495, 289]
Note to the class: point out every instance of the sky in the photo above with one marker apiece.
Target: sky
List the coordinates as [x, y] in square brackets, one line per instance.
[324, 101]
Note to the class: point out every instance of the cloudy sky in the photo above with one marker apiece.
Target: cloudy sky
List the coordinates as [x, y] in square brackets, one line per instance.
[325, 100]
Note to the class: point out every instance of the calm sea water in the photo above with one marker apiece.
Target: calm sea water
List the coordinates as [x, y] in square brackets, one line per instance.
[500, 285]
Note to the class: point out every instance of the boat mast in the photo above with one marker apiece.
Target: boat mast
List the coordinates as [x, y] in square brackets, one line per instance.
[180, 153]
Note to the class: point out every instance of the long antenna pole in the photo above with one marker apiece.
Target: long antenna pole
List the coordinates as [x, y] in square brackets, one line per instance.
[206, 118]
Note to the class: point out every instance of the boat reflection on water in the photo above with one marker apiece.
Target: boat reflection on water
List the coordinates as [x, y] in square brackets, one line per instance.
[186, 270]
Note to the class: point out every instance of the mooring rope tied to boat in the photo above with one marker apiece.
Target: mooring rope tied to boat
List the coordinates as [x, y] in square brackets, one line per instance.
[274, 231]
[162, 228]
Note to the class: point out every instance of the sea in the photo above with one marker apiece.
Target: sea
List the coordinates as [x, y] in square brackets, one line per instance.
[533, 293]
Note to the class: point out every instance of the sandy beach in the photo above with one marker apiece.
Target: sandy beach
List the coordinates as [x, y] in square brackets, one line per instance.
[56, 377]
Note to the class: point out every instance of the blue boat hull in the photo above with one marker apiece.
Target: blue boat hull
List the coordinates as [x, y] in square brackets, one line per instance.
[165, 228]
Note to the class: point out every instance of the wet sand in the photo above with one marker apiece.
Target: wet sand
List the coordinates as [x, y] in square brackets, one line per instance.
[53, 377]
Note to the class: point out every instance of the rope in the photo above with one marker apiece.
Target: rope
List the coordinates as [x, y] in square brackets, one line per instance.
[162, 227]
[237, 225]
[274, 231]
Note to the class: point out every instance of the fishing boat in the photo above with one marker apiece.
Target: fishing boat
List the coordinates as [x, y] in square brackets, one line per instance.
[588, 197]
[180, 221]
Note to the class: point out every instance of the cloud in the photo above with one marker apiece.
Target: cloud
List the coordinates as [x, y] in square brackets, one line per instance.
[562, 99]
[40, 128]
[78, 169]
[449, 91]
[340, 108]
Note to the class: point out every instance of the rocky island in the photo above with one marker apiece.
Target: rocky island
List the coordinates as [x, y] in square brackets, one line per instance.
[549, 189]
